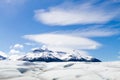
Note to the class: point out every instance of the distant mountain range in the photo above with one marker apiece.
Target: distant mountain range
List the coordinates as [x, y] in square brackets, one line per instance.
[57, 56]
[2, 57]
[46, 55]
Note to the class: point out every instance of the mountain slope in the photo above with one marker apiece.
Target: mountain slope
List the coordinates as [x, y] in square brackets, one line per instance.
[3, 56]
[57, 56]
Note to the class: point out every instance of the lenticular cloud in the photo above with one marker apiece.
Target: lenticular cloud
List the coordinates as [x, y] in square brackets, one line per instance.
[59, 41]
[83, 13]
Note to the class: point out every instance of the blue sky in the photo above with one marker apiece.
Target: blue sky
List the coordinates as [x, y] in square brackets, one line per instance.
[91, 26]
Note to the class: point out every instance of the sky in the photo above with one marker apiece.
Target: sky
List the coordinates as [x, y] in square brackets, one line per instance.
[91, 26]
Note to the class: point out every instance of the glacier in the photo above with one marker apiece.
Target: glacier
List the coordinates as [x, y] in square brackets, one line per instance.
[24, 70]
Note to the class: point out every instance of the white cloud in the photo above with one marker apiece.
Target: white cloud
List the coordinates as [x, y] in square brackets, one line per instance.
[70, 13]
[63, 42]
[91, 32]
[15, 57]
[17, 46]
[14, 51]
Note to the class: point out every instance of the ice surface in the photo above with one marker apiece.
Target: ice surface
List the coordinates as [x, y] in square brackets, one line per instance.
[21, 70]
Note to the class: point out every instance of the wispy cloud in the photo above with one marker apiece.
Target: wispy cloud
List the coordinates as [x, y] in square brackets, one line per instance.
[82, 13]
[63, 42]
[30, 44]
[94, 31]
[17, 46]
[14, 51]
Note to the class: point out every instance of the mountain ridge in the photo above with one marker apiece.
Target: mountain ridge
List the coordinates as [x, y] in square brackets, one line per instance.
[46, 55]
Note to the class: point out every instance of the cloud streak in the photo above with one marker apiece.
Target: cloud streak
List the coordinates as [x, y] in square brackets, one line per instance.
[94, 31]
[71, 13]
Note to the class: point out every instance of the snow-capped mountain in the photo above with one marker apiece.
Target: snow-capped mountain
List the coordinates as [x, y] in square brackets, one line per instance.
[57, 56]
[41, 55]
[2, 55]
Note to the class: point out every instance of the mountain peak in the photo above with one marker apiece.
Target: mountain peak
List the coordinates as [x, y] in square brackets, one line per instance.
[46, 55]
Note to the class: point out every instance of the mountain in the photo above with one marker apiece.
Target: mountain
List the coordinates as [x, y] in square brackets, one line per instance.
[3, 56]
[47, 55]
[41, 55]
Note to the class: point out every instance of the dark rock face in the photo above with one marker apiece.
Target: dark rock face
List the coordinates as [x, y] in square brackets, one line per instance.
[42, 59]
[82, 60]
[59, 60]
[94, 60]
[54, 59]
[85, 60]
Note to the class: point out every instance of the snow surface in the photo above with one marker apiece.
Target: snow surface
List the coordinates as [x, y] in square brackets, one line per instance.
[21, 70]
